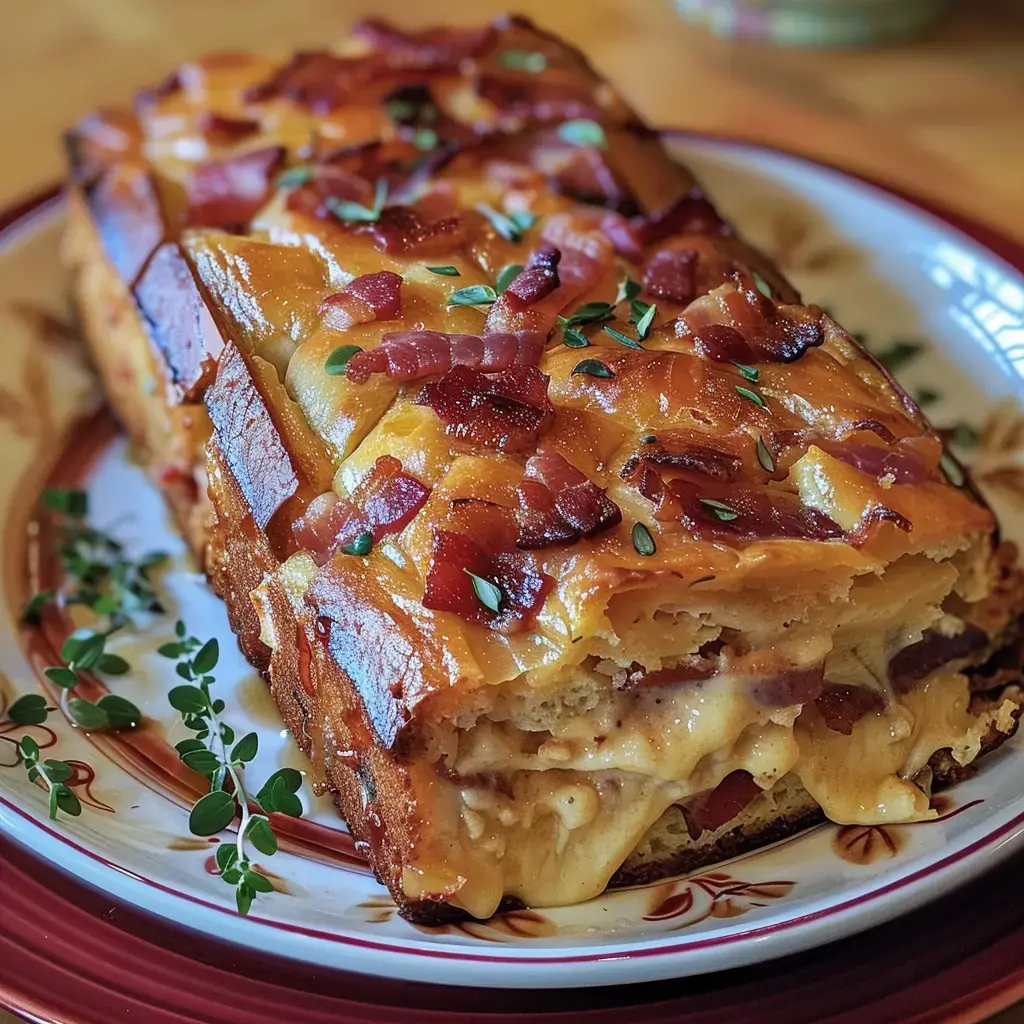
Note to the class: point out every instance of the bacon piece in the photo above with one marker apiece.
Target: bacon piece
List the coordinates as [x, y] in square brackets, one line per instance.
[579, 233]
[693, 668]
[385, 501]
[537, 280]
[585, 175]
[866, 529]
[541, 98]
[228, 193]
[508, 411]
[317, 79]
[313, 197]
[410, 355]
[376, 296]
[710, 811]
[760, 515]
[842, 706]
[434, 49]
[793, 686]
[402, 229]
[708, 461]
[559, 505]
[931, 652]
[758, 329]
[449, 587]
[671, 275]
[880, 461]
[689, 214]
[403, 165]
[223, 131]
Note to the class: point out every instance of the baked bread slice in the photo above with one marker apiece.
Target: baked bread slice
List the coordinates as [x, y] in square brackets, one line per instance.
[575, 549]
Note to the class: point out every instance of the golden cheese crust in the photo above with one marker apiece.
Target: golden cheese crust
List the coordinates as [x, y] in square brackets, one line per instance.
[518, 455]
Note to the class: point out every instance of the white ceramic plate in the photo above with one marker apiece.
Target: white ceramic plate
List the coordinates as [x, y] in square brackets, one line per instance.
[881, 265]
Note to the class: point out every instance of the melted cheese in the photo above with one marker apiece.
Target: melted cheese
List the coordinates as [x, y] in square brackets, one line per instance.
[557, 835]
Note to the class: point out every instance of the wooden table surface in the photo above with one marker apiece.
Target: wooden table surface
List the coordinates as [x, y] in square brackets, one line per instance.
[942, 116]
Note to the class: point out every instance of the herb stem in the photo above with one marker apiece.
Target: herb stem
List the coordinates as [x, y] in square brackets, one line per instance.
[241, 797]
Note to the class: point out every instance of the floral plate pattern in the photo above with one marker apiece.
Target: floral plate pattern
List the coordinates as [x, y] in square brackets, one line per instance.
[945, 312]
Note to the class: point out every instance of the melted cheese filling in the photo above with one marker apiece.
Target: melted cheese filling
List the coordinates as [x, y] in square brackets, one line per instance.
[550, 818]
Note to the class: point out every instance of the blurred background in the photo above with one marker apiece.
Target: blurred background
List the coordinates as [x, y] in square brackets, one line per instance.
[940, 113]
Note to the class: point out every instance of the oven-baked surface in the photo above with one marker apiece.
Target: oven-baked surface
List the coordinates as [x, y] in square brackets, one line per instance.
[552, 592]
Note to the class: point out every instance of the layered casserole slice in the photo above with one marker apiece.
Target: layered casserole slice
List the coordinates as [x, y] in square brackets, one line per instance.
[576, 550]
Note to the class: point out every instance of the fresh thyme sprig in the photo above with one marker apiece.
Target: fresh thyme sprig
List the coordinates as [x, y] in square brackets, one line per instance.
[214, 753]
[98, 575]
[54, 775]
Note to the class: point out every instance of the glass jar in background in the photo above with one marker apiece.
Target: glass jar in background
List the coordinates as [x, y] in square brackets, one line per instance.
[815, 22]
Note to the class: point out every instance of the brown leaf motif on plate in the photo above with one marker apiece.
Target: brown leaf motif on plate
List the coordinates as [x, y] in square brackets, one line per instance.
[716, 894]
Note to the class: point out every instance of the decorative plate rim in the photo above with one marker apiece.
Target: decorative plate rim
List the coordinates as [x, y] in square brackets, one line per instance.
[950, 870]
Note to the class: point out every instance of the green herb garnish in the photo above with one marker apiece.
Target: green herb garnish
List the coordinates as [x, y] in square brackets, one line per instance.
[762, 285]
[588, 313]
[510, 226]
[474, 295]
[643, 324]
[30, 709]
[628, 290]
[898, 354]
[593, 368]
[649, 439]
[764, 456]
[360, 546]
[964, 435]
[211, 753]
[748, 372]
[488, 593]
[623, 339]
[574, 338]
[952, 469]
[54, 775]
[356, 212]
[643, 540]
[720, 509]
[582, 132]
[337, 362]
[523, 60]
[448, 271]
[294, 177]
[751, 396]
[506, 276]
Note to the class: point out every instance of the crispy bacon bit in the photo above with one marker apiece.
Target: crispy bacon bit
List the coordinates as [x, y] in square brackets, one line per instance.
[450, 588]
[759, 515]
[671, 275]
[406, 168]
[328, 183]
[760, 330]
[690, 214]
[316, 79]
[714, 463]
[793, 686]
[710, 811]
[872, 519]
[585, 175]
[228, 193]
[540, 98]
[559, 505]
[881, 462]
[376, 296]
[537, 280]
[410, 355]
[842, 707]
[693, 668]
[434, 49]
[931, 652]
[508, 411]
[223, 131]
[384, 502]
[874, 426]
[401, 229]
